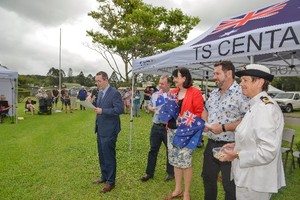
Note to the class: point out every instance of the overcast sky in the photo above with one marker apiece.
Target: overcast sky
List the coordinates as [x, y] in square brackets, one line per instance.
[29, 30]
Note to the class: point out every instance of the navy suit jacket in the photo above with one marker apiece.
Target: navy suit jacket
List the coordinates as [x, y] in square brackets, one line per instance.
[109, 122]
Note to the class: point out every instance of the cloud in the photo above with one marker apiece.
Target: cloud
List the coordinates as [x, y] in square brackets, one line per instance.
[30, 30]
[47, 13]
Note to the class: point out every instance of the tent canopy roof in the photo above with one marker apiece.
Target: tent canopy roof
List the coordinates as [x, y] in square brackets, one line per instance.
[7, 74]
[268, 36]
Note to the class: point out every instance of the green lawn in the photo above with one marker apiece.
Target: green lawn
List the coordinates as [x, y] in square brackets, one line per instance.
[55, 157]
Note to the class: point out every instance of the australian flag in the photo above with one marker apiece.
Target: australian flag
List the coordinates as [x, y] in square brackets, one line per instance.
[161, 98]
[282, 12]
[169, 110]
[189, 131]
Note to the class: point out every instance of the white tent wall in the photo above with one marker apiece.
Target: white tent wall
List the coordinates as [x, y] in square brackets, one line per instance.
[273, 41]
[9, 88]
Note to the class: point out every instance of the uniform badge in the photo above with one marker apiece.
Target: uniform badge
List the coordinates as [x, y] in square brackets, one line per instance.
[266, 100]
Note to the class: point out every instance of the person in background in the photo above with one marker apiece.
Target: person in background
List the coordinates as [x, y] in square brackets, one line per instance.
[126, 100]
[62, 96]
[55, 96]
[67, 100]
[29, 105]
[109, 107]
[94, 94]
[257, 167]
[82, 94]
[223, 111]
[158, 132]
[189, 99]
[147, 97]
[4, 107]
[73, 96]
[136, 103]
[41, 94]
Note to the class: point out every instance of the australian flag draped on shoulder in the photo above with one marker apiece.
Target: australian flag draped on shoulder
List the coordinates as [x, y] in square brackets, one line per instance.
[161, 98]
[169, 109]
[189, 131]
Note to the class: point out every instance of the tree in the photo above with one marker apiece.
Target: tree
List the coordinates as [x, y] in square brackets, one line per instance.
[287, 83]
[80, 78]
[53, 75]
[90, 80]
[70, 75]
[132, 29]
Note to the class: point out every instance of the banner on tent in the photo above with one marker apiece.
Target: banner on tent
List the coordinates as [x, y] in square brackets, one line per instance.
[259, 42]
[269, 36]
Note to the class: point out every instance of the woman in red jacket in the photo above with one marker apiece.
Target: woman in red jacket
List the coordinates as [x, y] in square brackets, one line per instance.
[189, 99]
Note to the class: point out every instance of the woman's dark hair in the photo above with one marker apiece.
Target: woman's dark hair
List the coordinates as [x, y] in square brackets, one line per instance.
[184, 73]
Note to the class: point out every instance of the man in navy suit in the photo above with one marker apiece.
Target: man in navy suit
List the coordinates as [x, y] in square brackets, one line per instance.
[109, 106]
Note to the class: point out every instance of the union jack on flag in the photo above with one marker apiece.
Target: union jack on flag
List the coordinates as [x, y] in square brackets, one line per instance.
[189, 131]
[253, 15]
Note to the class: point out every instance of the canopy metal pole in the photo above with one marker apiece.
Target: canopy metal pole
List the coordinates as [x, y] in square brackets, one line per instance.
[13, 101]
[16, 99]
[206, 77]
[251, 59]
[131, 110]
[59, 62]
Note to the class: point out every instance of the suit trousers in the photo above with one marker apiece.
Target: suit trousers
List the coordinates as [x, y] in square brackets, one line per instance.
[107, 157]
[158, 135]
[210, 172]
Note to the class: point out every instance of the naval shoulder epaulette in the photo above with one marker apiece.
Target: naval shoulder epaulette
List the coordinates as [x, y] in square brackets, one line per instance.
[266, 100]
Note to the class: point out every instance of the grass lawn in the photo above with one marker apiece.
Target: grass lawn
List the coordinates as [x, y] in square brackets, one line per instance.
[55, 157]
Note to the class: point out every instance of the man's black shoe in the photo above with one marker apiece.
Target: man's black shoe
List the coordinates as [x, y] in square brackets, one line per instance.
[169, 178]
[146, 178]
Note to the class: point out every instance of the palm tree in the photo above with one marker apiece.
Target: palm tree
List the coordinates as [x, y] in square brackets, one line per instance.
[53, 75]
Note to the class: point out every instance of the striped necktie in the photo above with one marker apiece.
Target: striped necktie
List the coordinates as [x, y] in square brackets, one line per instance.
[100, 95]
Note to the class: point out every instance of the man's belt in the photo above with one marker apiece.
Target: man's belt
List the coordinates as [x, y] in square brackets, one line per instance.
[160, 124]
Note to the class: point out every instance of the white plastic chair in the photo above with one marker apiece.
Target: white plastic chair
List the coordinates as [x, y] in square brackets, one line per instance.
[288, 136]
[296, 154]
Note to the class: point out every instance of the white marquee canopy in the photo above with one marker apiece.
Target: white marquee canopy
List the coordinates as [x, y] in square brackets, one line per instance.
[268, 36]
[8, 87]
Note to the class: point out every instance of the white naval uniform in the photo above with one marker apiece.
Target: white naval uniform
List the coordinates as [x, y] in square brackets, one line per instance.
[258, 140]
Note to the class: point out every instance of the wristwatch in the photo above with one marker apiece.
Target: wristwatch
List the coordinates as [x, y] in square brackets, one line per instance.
[223, 128]
[237, 155]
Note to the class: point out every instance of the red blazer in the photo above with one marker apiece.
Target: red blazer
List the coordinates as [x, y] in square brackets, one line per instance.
[193, 101]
